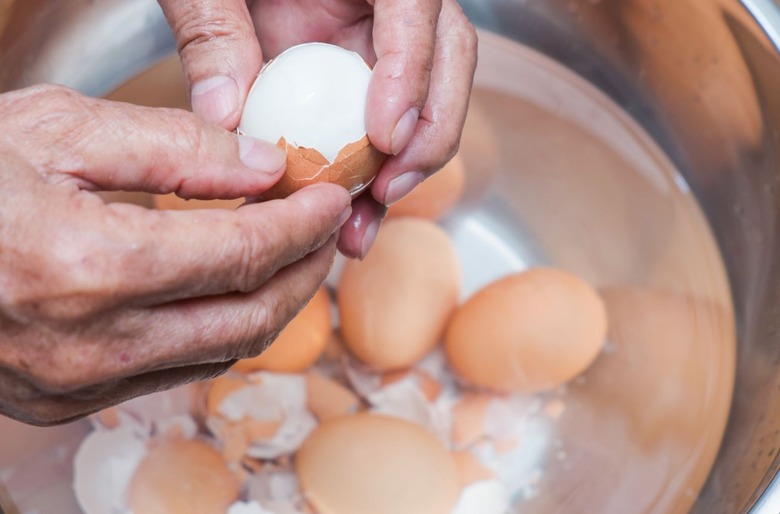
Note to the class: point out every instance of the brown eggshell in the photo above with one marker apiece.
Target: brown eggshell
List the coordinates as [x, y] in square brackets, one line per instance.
[394, 305]
[182, 476]
[468, 419]
[527, 332]
[436, 196]
[219, 389]
[354, 169]
[327, 399]
[301, 342]
[378, 464]
[470, 469]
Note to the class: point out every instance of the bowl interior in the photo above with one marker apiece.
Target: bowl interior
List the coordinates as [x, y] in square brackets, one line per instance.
[557, 175]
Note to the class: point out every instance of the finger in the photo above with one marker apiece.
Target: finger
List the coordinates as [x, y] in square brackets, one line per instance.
[220, 54]
[114, 146]
[209, 252]
[26, 403]
[404, 37]
[219, 328]
[358, 234]
[437, 135]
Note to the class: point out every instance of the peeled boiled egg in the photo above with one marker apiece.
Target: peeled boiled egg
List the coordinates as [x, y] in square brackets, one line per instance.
[394, 304]
[182, 476]
[378, 464]
[301, 342]
[527, 332]
[311, 100]
[436, 195]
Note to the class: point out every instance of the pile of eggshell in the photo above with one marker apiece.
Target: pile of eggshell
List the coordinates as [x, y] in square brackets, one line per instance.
[384, 395]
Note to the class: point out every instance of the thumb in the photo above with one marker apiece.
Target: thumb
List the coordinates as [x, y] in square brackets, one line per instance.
[114, 146]
[220, 54]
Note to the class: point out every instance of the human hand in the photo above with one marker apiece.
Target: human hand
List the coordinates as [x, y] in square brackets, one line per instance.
[103, 302]
[424, 52]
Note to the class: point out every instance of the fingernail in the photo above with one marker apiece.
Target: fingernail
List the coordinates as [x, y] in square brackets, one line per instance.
[402, 186]
[260, 155]
[214, 99]
[403, 131]
[368, 238]
[345, 216]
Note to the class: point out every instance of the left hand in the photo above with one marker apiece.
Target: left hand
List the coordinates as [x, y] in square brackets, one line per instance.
[424, 54]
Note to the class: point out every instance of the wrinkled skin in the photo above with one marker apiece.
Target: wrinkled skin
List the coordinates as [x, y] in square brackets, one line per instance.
[100, 302]
[424, 54]
[103, 302]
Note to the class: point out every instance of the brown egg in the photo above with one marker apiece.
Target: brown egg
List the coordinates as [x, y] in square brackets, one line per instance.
[368, 463]
[301, 342]
[182, 477]
[649, 415]
[173, 202]
[527, 332]
[394, 305]
[436, 195]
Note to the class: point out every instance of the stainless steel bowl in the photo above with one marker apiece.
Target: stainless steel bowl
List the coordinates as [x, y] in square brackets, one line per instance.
[598, 130]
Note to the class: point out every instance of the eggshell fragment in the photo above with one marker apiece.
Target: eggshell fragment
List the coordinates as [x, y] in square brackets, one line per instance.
[394, 304]
[470, 469]
[108, 458]
[182, 476]
[270, 409]
[527, 332]
[485, 497]
[436, 196]
[468, 419]
[311, 101]
[301, 342]
[219, 389]
[327, 398]
[377, 464]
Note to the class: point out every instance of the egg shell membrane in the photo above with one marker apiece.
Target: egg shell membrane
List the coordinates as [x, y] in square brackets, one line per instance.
[354, 169]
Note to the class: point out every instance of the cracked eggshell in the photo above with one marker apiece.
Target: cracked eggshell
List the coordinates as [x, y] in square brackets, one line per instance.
[311, 101]
[263, 415]
[103, 467]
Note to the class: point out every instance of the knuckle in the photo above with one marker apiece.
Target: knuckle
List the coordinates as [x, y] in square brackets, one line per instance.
[469, 37]
[201, 26]
[67, 292]
[263, 327]
[260, 249]
[61, 373]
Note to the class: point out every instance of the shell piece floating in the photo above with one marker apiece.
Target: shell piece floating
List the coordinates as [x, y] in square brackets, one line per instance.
[311, 100]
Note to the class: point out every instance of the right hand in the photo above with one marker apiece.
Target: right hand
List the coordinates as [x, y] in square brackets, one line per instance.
[103, 302]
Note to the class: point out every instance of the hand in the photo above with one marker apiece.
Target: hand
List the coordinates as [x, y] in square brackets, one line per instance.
[103, 302]
[424, 53]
